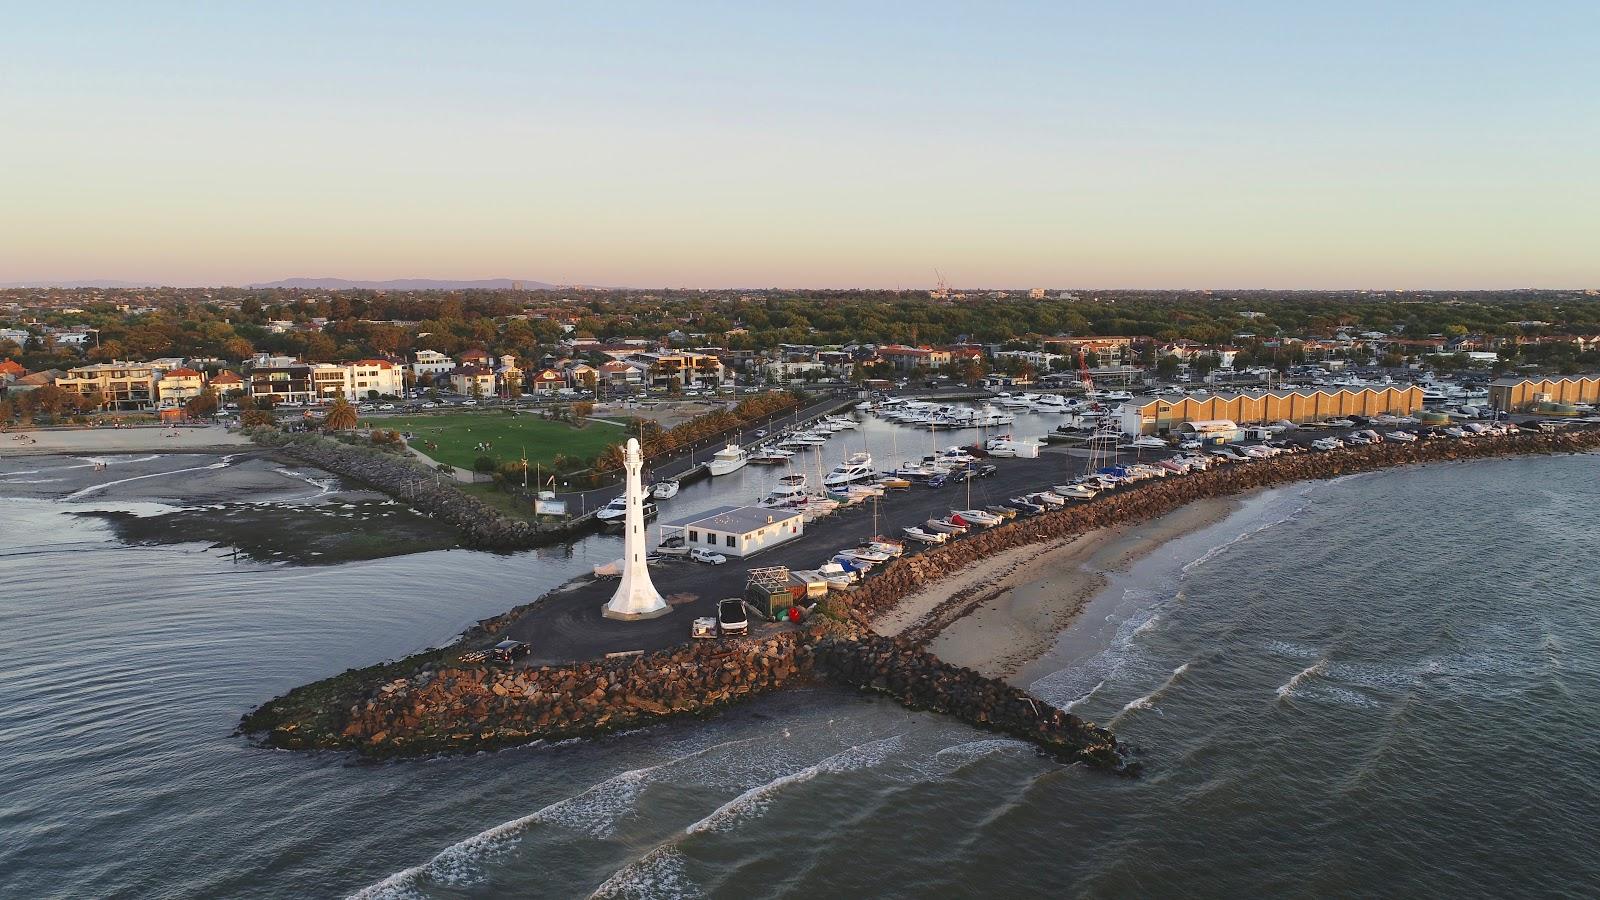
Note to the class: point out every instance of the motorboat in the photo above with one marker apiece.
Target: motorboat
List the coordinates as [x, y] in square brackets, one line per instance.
[1023, 504]
[893, 483]
[986, 519]
[839, 578]
[1075, 491]
[857, 468]
[791, 490]
[616, 512]
[1049, 499]
[865, 555]
[884, 545]
[1404, 437]
[944, 526]
[1148, 442]
[727, 460]
[665, 489]
[926, 537]
[1327, 444]
[1004, 512]
[771, 456]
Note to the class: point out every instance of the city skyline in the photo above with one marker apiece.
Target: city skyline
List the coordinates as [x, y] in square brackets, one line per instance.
[649, 145]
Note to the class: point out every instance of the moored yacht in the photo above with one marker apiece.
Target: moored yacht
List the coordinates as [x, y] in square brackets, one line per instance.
[729, 459]
[789, 491]
[855, 469]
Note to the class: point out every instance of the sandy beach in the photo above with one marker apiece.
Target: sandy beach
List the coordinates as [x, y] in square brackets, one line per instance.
[998, 616]
[118, 440]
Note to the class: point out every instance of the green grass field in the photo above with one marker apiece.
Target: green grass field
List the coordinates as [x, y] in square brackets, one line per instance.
[457, 435]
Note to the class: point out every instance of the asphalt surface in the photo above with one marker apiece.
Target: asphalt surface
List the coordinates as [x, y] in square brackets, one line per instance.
[566, 625]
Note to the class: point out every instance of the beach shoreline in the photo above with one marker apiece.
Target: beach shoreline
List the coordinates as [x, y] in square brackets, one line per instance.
[1007, 611]
[143, 439]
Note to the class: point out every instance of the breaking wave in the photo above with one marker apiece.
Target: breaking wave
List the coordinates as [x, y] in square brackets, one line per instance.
[755, 800]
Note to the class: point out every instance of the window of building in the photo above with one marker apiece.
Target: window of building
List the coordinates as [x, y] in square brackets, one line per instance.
[729, 540]
[694, 535]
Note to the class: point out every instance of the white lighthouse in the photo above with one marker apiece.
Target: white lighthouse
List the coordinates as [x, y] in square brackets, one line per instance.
[636, 596]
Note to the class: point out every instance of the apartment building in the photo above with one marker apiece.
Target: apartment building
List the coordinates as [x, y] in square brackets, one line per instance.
[125, 386]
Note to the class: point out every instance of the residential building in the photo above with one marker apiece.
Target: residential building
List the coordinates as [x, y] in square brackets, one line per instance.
[509, 376]
[125, 386]
[906, 359]
[281, 379]
[330, 382]
[227, 384]
[620, 374]
[11, 370]
[178, 386]
[429, 364]
[370, 379]
[18, 336]
[473, 381]
[547, 381]
[684, 368]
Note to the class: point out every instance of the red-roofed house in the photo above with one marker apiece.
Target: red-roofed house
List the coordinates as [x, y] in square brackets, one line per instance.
[178, 386]
[11, 370]
[547, 381]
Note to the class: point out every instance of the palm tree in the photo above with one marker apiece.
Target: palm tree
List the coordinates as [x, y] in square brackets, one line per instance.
[341, 416]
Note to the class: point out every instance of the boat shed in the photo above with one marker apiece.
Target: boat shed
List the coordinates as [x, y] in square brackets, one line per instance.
[737, 530]
[1163, 414]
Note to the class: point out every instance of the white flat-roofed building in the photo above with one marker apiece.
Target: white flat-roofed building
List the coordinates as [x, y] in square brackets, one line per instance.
[737, 530]
[430, 363]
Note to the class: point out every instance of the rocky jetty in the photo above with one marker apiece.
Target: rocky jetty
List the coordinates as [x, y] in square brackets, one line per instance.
[482, 527]
[460, 707]
[433, 702]
[920, 680]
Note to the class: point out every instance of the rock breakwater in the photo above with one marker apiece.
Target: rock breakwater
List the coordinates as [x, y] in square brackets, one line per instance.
[1150, 499]
[433, 703]
[920, 680]
[458, 707]
[482, 527]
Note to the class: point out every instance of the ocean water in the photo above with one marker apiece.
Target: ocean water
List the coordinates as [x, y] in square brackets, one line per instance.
[1386, 685]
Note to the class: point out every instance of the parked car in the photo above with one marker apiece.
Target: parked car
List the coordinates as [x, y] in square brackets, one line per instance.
[509, 651]
[386, 406]
[731, 616]
[469, 403]
[701, 554]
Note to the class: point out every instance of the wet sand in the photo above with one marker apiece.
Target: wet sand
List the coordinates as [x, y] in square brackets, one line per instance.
[118, 440]
[998, 616]
[251, 502]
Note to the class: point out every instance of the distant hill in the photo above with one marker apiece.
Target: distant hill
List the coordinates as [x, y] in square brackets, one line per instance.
[405, 284]
[86, 283]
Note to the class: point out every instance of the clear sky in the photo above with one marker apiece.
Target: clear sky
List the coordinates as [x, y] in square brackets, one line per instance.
[1157, 144]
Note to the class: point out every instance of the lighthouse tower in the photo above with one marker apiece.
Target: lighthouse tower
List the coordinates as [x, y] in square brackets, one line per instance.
[636, 596]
